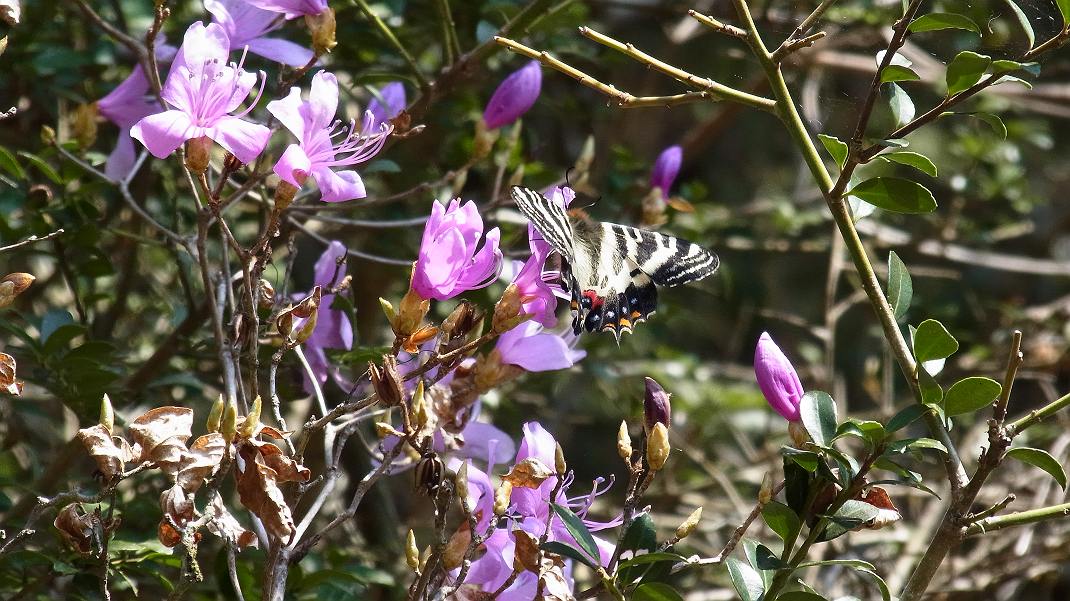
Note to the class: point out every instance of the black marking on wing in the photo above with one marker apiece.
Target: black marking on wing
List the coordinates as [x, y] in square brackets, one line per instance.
[548, 218]
[668, 260]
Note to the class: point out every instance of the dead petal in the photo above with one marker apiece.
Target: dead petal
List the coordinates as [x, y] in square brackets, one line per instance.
[8, 382]
[287, 469]
[453, 555]
[529, 473]
[526, 555]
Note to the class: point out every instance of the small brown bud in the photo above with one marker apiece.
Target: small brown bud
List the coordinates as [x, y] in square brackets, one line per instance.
[656, 406]
[461, 480]
[252, 420]
[412, 552]
[229, 427]
[267, 294]
[657, 447]
[84, 125]
[284, 195]
[411, 313]
[624, 442]
[231, 163]
[797, 433]
[689, 525]
[322, 27]
[507, 312]
[560, 467]
[198, 153]
[460, 320]
[386, 381]
[502, 497]
[107, 414]
[215, 416]
[12, 285]
[419, 406]
[765, 493]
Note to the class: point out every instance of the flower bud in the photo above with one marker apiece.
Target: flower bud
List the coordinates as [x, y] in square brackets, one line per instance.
[412, 552]
[322, 27]
[765, 493]
[386, 382]
[624, 442]
[229, 427]
[388, 310]
[12, 285]
[198, 152]
[48, 135]
[777, 378]
[507, 312]
[215, 416]
[419, 406]
[252, 420]
[798, 434]
[560, 467]
[685, 529]
[666, 168]
[502, 497]
[461, 480]
[656, 406]
[107, 414]
[514, 96]
[657, 447]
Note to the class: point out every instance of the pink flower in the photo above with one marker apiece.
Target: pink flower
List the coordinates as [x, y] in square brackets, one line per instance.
[246, 25]
[666, 167]
[313, 122]
[333, 329]
[777, 378]
[514, 96]
[538, 297]
[450, 260]
[204, 91]
[393, 102]
[532, 348]
[292, 8]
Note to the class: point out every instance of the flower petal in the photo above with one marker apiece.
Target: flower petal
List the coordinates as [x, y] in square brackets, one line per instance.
[288, 112]
[281, 51]
[293, 166]
[243, 139]
[338, 187]
[393, 101]
[323, 99]
[121, 160]
[164, 132]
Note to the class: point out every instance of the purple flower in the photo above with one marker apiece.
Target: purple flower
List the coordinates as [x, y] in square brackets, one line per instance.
[291, 8]
[449, 262]
[124, 106]
[514, 96]
[537, 295]
[531, 348]
[393, 102]
[777, 378]
[246, 25]
[666, 167]
[333, 329]
[313, 122]
[204, 91]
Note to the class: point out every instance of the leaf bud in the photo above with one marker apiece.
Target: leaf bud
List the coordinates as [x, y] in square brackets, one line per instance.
[388, 310]
[215, 416]
[765, 493]
[502, 497]
[384, 430]
[12, 285]
[461, 481]
[252, 420]
[107, 414]
[559, 460]
[48, 135]
[657, 447]
[229, 427]
[624, 442]
[412, 552]
[419, 406]
[685, 529]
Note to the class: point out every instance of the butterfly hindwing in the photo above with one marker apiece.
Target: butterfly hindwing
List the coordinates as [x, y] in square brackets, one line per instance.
[668, 260]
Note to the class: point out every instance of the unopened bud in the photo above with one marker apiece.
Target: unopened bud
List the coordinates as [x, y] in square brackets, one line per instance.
[624, 442]
[657, 446]
[412, 552]
[388, 310]
[502, 497]
[765, 493]
[107, 414]
[461, 480]
[267, 294]
[507, 311]
[484, 140]
[198, 153]
[229, 427]
[48, 135]
[322, 27]
[559, 460]
[12, 285]
[419, 406]
[656, 407]
[215, 416]
[252, 420]
[284, 194]
[386, 381]
[84, 125]
[689, 525]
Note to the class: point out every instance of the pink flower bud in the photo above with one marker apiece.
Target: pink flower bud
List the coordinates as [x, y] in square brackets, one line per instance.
[656, 407]
[666, 168]
[514, 96]
[777, 378]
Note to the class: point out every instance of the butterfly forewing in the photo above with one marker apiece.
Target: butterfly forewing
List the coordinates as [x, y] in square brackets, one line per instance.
[548, 217]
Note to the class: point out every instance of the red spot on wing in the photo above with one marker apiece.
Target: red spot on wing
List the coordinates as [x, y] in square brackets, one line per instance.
[596, 301]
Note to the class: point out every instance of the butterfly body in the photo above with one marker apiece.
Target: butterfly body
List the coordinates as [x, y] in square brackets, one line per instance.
[612, 271]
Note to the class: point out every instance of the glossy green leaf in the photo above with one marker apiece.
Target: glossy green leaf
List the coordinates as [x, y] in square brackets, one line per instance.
[914, 445]
[577, 529]
[965, 69]
[896, 195]
[745, 579]
[852, 514]
[904, 418]
[46, 169]
[970, 394]
[933, 341]
[765, 559]
[901, 104]
[800, 596]
[1064, 10]
[893, 73]
[1023, 22]
[781, 519]
[818, 413]
[808, 460]
[900, 286]
[868, 430]
[641, 535]
[559, 548]
[1008, 66]
[836, 148]
[1042, 459]
[911, 159]
[655, 591]
[10, 164]
[649, 558]
[939, 21]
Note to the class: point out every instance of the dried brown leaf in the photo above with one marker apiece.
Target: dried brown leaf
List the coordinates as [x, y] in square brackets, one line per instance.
[77, 527]
[258, 491]
[161, 435]
[287, 469]
[226, 527]
[110, 452]
[527, 555]
[887, 513]
[552, 575]
[8, 382]
[529, 473]
[453, 555]
[201, 461]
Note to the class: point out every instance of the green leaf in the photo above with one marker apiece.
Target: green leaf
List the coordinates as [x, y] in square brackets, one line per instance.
[11, 164]
[1064, 10]
[900, 286]
[965, 70]
[938, 21]
[914, 445]
[781, 519]
[896, 195]
[745, 579]
[1009, 66]
[868, 430]
[1023, 22]
[649, 558]
[836, 148]
[42, 166]
[970, 394]
[797, 481]
[851, 563]
[559, 548]
[641, 535]
[933, 341]
[905, 417]
[901, 104]
[1042, 459]
[818, 413]
[578, 530]
[932, 394]
[994, 122]
[800, 596]
[911, 159]
[852, 514]
[808, 460]
[656, 591]
[765, 559]
[898, 73]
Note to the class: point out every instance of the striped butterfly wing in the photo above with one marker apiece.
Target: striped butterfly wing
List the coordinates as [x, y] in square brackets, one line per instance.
[668, 260]
[548, 218]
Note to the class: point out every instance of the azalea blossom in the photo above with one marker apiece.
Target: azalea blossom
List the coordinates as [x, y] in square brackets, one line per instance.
[537, 295]
[533, 348]
[514, 96]
[451, 260]
[666, 168]
[204, 90]
[777, 378]
[325, 143]
[246, 25]
[393, 101]
[333, 329]
[291, 8]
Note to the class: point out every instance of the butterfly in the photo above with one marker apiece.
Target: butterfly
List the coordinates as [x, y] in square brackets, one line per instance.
[612, 271]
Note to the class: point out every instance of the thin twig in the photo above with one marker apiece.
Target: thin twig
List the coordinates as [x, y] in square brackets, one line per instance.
[31, 240]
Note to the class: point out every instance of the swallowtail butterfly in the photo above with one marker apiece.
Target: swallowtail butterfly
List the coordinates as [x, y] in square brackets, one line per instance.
[612, 271]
